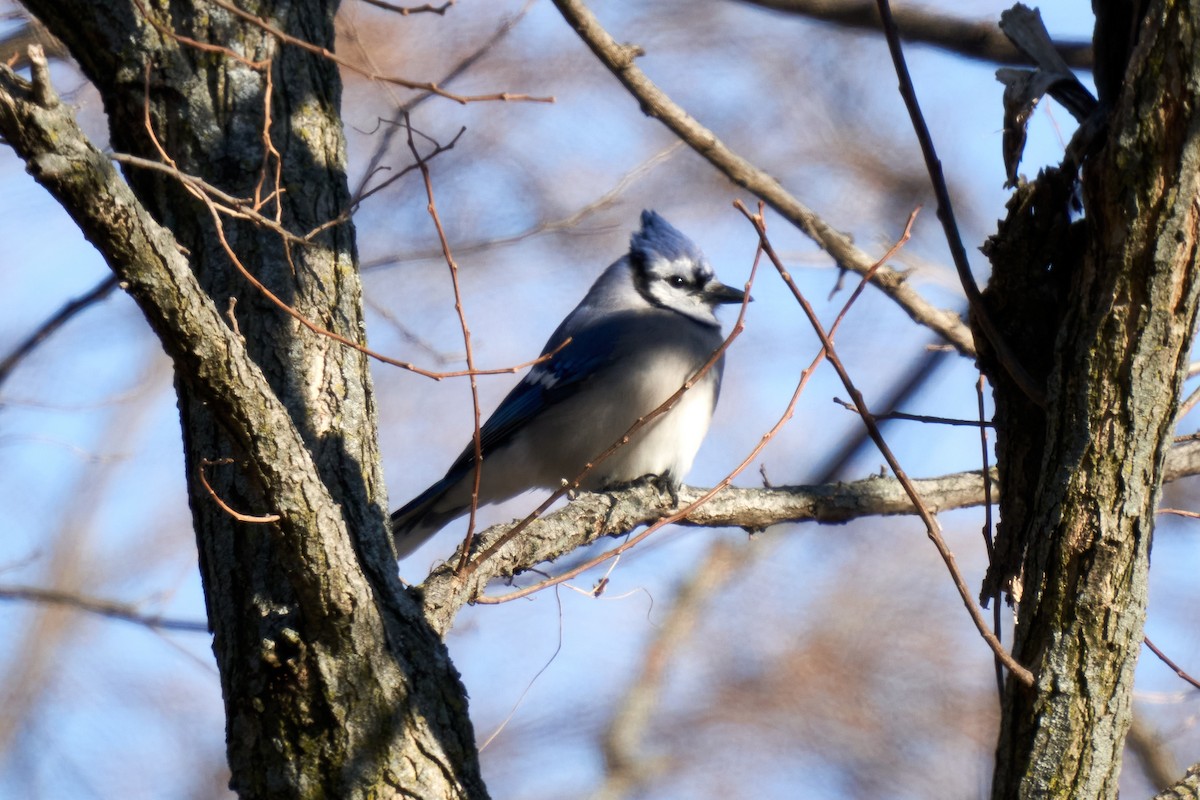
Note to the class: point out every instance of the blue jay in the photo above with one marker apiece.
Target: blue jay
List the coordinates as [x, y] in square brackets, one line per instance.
[643, 329]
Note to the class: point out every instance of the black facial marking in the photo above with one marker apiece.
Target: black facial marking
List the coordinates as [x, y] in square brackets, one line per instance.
[642, 277]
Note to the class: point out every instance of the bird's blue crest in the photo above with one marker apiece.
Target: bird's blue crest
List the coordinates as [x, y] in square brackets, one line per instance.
[661, 238]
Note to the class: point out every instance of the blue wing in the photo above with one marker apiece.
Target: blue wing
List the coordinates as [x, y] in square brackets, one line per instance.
[547, 384]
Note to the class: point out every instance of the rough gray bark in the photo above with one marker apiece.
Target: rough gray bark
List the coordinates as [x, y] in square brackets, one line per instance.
[334, 685]
[1188, 787]
[1104, 309]
[335, 681]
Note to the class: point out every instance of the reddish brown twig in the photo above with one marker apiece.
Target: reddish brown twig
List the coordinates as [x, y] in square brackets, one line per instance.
[1163, 657]
[455, 72]
[931, 525]
[235, 207]
[246, 208]
[239, 516]
[407, 84]
[269, 154]
[363, 195]
[476, 435]
[206, 47]
[215, 212]
[1179, 512]
[230, 206]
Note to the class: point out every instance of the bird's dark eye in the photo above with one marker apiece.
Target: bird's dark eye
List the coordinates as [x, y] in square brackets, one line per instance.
[678, 281]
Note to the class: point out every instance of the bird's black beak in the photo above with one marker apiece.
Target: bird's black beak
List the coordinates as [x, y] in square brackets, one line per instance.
[718, 293]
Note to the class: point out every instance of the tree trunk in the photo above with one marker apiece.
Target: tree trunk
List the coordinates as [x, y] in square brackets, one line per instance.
[1112, 300]
[334, 685]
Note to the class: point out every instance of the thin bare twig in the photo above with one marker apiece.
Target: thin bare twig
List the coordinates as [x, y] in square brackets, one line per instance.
[932, 528]
[52, 323]
[1179, 512]
[901, 415]
[206, 47]
[248, 208]
[1175, 667]
[362, 195]
[619, 59]
[905, 388]
[104, 608]
[477, 432]
[239, 516]
[331, 56]
[553, 226]
[525, 692]
[269, 154]
[402, 109]
[215, 213]
[945, 213]
[237, 207]
[985, 460]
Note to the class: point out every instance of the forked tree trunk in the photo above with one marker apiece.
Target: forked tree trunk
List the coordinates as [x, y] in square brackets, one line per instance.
[1104, 309]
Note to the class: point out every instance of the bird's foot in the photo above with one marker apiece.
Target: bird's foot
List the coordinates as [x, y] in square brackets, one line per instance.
[666, 484]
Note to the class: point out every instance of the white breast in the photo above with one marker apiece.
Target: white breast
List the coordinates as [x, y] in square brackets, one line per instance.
[669, 443]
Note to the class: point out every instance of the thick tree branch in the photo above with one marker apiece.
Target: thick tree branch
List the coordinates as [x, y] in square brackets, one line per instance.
[591, 516]
[978, 39]
[1152, 753]
[619, 59]
[1188, 787]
